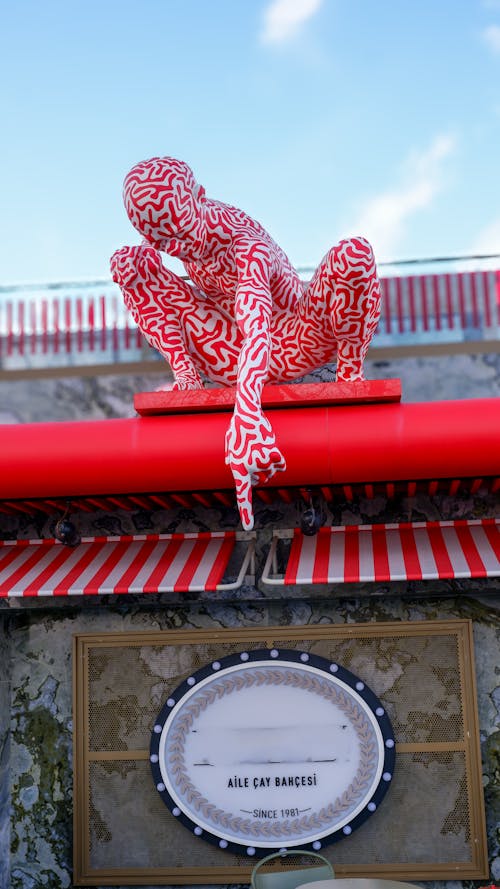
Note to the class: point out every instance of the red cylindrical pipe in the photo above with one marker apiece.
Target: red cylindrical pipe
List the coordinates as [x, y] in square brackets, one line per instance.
[322, 445]
[390, 442]
[113, 456]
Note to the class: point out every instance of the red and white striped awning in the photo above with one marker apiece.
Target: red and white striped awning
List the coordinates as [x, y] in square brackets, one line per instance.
[148, 563]
[405, 551]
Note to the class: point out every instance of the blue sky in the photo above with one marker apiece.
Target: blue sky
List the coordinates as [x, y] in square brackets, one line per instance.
[320, 118]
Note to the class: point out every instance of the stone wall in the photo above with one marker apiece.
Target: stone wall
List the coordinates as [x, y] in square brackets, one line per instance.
[5, 710]
[36, 637]
[41, 740]
[424, 378]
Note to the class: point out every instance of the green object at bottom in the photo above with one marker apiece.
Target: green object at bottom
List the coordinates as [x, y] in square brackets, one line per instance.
[290, 877]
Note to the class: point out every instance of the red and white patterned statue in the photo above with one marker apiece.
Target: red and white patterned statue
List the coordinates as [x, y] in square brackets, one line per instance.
[246, 319]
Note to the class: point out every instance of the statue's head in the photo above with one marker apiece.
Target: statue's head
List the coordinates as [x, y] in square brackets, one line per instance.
[165, 204]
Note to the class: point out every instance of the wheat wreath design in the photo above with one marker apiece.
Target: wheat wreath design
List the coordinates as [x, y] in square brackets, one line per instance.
[342, 805]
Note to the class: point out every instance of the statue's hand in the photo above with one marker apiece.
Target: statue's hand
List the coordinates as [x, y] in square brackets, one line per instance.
[132, 265]
[253, 457]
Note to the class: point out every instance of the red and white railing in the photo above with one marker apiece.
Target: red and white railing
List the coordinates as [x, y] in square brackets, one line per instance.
[66, 324]
[437, 307]
[439, 302]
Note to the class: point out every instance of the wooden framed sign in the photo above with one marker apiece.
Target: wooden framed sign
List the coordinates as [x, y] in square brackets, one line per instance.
[271, 749]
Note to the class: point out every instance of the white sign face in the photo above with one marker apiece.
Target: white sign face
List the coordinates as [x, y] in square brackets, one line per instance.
[272, 749]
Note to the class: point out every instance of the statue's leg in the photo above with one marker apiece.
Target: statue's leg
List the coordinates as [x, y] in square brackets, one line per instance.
[347, 287]
[176, 319]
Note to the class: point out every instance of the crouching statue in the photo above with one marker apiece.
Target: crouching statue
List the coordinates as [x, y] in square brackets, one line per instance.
[244, 318]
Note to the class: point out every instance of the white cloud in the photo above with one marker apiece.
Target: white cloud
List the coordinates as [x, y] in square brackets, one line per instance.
[383, 217]
[488, 238]
[487, 241]
[283, 19]
[491, 36]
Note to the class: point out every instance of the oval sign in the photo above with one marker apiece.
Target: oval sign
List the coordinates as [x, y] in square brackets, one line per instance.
[272, 749]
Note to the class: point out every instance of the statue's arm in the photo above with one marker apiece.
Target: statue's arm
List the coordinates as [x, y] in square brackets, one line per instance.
[251, 450]
[253, 309]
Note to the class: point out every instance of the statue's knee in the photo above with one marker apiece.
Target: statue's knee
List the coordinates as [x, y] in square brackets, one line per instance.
[355, 252]
[351, 258]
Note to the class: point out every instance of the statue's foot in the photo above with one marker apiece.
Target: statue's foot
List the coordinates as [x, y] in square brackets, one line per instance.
[346, 375]
[253, 457]
[186, 381]
[180, 385]
[350, 359]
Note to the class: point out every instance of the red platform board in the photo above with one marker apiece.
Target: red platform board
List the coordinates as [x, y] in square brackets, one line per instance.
[195, 401]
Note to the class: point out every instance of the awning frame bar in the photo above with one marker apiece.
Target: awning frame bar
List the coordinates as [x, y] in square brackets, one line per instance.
[271, 564]
[249, 560]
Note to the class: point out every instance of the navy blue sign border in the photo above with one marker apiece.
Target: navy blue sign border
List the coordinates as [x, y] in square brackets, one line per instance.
[276, 655]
